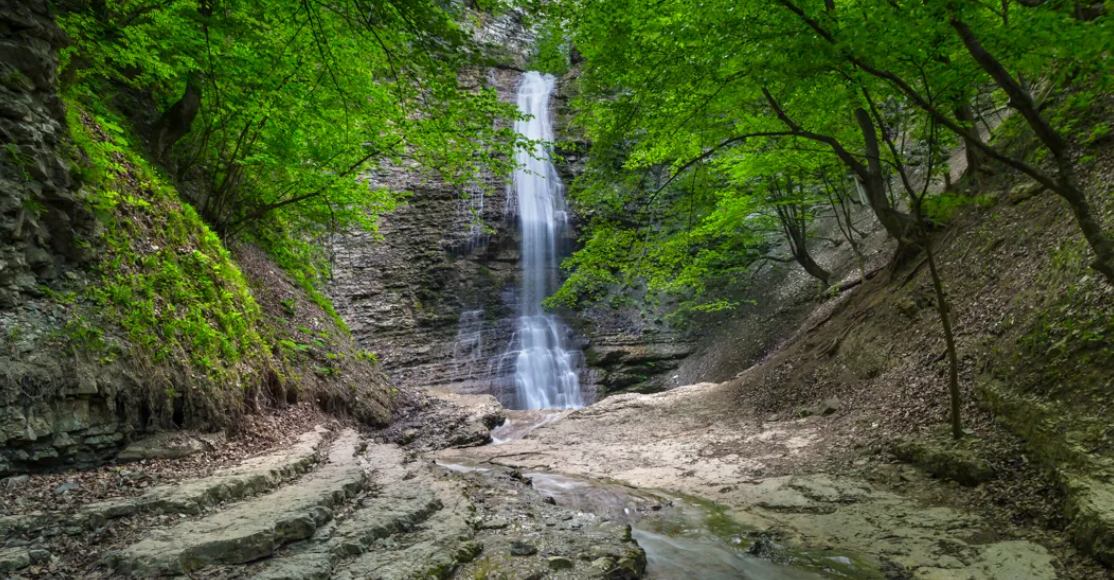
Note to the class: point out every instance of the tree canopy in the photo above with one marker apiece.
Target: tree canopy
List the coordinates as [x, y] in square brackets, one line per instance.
[737, 96]
[272, 110]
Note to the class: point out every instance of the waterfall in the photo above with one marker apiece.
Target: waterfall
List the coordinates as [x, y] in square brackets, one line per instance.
[545, 372]
[468, 349]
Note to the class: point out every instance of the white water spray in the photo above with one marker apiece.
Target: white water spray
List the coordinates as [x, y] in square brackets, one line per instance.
[545, 375]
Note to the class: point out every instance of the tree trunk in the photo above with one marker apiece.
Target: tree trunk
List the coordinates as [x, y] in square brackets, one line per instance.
[976, 159]
[898, 224]
[949, 339]
[804, 258]
[176, 121]
[1065, 184]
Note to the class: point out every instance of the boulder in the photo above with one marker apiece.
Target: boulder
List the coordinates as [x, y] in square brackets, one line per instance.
[1024, 191]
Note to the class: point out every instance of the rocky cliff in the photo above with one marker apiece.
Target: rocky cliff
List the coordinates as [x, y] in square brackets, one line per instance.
[435, 294]
[40, 214]
[49, 408]
[78, 377]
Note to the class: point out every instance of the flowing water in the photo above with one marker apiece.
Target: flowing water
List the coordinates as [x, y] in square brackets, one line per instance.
[686, 538]
[468, 349]
[545, 373]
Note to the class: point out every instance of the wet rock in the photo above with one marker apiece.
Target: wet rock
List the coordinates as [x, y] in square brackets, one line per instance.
[471, 434]
[762, 548]
[521, 548]
[1016, 560]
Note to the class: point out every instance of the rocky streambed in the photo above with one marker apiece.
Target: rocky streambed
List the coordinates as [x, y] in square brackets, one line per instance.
[693, 485]
[638, 486]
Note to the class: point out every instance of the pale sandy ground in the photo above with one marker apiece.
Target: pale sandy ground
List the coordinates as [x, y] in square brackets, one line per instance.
[686, 441]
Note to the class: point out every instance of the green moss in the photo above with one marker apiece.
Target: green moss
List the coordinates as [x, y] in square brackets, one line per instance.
[163, 276]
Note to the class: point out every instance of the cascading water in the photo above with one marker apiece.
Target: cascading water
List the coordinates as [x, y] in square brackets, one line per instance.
[545, 372]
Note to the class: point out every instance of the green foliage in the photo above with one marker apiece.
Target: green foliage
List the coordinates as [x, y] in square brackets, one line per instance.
[551, 49]
[736, 96]
[940, 209]
[163, 276]
[1064, 360]
[297, 101]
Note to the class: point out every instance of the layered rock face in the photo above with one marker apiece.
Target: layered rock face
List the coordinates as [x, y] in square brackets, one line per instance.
[436, 295]
[40, 216]
[52, 409]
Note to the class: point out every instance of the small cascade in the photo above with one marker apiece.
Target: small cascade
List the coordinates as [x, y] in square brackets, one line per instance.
[470, 206]
[469, 345]
[470, 202]
[545, 372]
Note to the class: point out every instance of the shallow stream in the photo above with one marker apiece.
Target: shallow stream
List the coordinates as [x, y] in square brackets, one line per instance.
[685, 538]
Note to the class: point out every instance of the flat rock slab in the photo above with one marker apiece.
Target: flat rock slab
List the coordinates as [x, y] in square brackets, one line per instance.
[302, 566]
[433, 552]
[170, 445]
[252, 529]
[251, 477]
[396, 509]
[390, 519]
[428, 520]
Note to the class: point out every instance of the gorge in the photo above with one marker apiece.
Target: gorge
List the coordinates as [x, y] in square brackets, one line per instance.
[609, 289]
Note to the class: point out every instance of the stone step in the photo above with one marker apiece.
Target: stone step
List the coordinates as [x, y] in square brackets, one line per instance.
[13, 559]
[254, 528]
[251, 477]
[390, 521]
[432, 551]
[1090, 505]
[394, 510]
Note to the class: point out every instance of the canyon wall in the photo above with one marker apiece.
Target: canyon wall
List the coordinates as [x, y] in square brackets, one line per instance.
[52, 408]
[435, 293]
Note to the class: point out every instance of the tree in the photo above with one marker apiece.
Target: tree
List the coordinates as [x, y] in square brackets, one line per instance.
[276, 108]
[881, 88]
